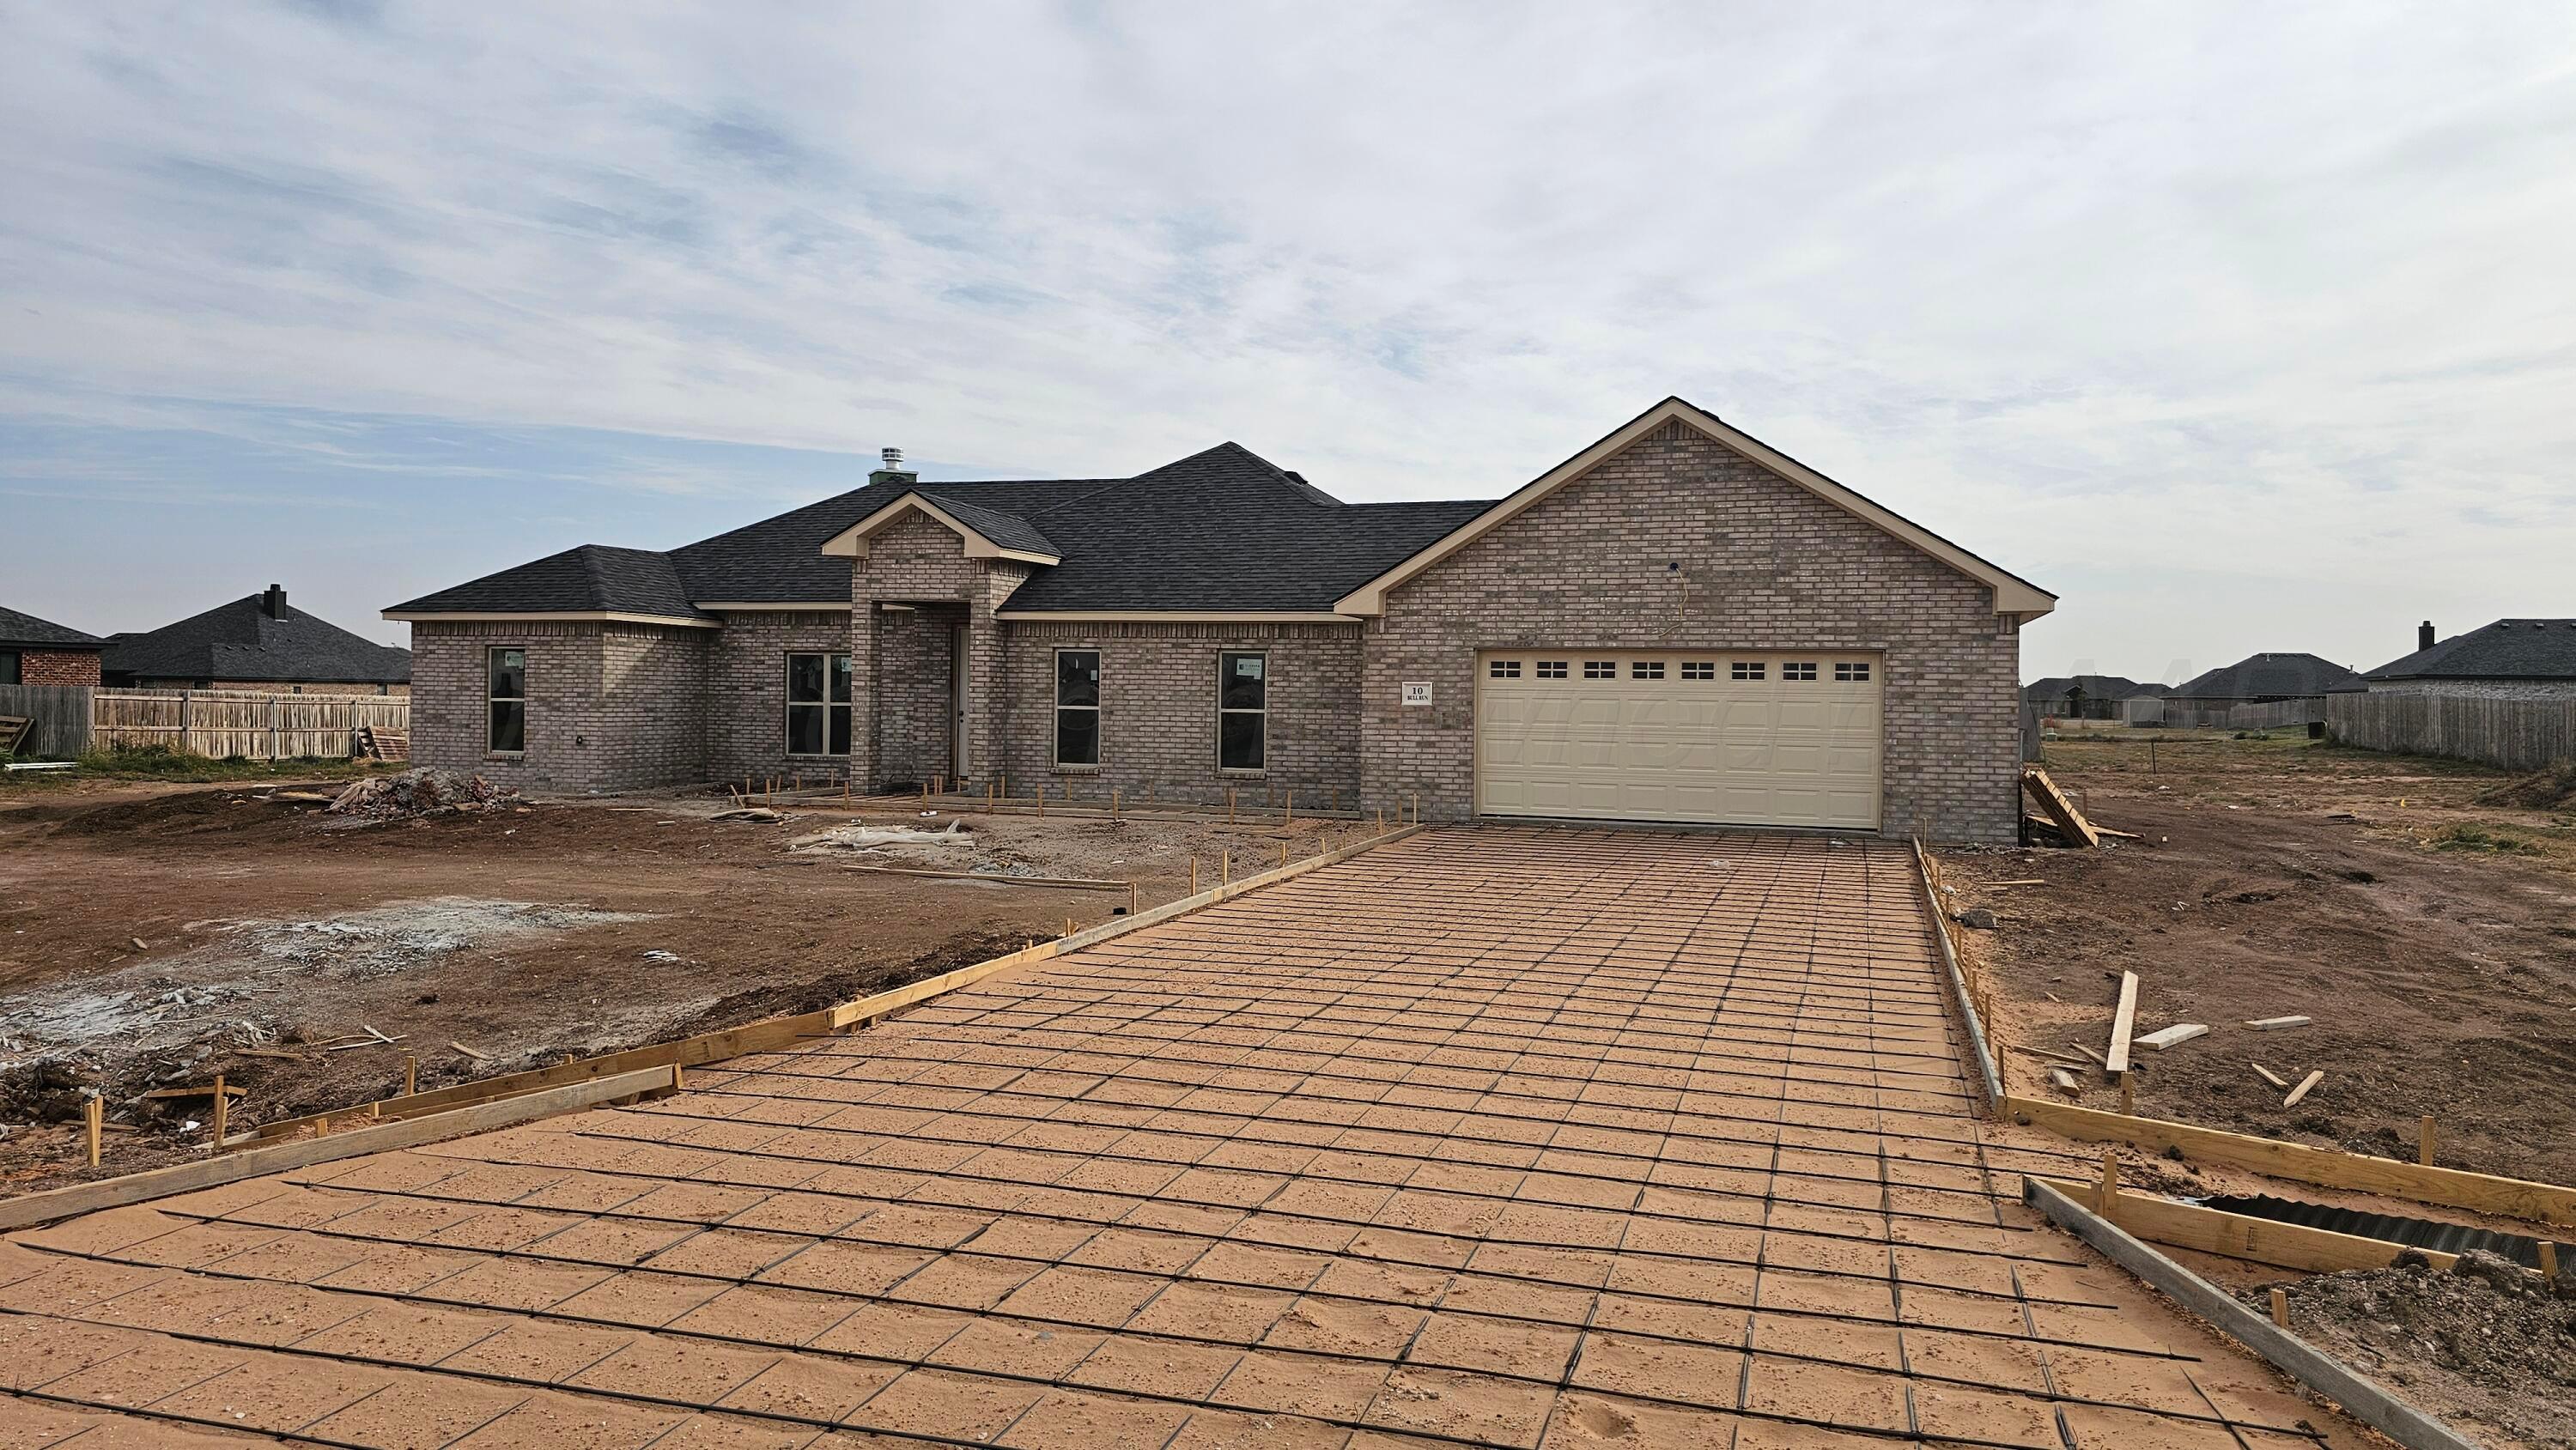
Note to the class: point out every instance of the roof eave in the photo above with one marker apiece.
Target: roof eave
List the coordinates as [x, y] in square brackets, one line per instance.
[852, 542]
[546, 616]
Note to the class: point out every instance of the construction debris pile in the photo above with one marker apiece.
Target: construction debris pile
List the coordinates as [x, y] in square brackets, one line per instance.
[2487, 1340]
[427, 791]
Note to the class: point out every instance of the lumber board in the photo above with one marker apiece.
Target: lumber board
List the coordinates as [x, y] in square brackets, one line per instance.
[2115, 1060]
[2293, 1356]
[2268, 1075]
[1990, 1072]
[2174, 1036]
[80, 1198]
[2306, 1086]
[2060, 811]
[774, 1033]
[2242, 1236]
[2326, 1167]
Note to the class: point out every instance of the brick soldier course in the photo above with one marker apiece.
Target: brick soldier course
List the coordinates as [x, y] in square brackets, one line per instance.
[1675, 532]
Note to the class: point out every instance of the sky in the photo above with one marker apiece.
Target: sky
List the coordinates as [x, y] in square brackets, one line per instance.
[2239, 327]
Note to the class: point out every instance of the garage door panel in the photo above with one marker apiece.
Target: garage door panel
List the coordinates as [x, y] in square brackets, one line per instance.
[1684, 746]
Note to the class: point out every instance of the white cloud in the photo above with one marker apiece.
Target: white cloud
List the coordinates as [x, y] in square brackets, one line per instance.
[2244, 328]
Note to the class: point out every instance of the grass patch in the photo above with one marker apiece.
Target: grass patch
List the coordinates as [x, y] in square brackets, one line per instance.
[2470, 836]
[160, 762]
[2540, 791]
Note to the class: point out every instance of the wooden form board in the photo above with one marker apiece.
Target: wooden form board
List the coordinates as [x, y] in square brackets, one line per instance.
[2061, 811]
[1990, 1073]
[2124, 1021]
[2509, 1197]
[2285, 1351]
[771, 1034]
[2239, 1236]
[79, 1198]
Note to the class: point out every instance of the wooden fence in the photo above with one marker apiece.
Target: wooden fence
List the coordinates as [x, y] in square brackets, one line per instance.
[61, 713]
[2514, 734]
[250, 725]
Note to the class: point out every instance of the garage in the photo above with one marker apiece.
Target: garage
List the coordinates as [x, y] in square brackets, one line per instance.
[1757, 738]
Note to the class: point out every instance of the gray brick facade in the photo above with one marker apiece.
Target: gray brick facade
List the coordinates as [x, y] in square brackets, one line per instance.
[1675, 542]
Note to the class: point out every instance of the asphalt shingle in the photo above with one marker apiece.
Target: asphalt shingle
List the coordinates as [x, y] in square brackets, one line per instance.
[26, 630]
[241, 640]
[2509, 649]
[2268, 676]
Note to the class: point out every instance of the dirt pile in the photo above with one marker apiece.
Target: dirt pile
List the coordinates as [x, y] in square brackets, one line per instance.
[2486, 1342]
[427, 791]
[2542, 790]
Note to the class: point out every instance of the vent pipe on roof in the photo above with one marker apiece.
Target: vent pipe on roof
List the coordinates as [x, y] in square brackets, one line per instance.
[893, 459]
[2424, 635]
[894, 471]
[273, 603]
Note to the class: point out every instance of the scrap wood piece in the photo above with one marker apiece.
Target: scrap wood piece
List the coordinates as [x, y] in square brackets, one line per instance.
[2117, 835]
[2050, 1053]
[200, 1090]
[2033, 881]
[2123, 1021]
[2306, 1085]
[2062, 812]
[2268, 1075]
[2174, 1036]
[2064, 1080]
[470, 1052]
[278, 1053]
[2275, 1024]
[2096, 1058]
[367, 1042]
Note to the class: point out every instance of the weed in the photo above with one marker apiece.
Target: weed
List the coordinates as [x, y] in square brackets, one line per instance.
[2466, 836]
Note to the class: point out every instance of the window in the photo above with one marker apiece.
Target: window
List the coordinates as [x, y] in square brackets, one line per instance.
[1699, 669]
[818, 704]
[1798, 670]
[1242, 710]
[507, 691]
[1077, 707]
[1744, 669]
[1849, 673]
[1645, 669]
[1503, 669]
[1600, 669]
[1551, 669]
[9, 667]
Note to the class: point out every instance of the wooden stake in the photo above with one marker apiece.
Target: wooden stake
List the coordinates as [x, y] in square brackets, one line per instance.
[1289, 816]
[95, 1112]
[1283, 855]
[2306, 1085]
[2424, 1142]
[1224, 869]
[679, 1079]
[1417, 808]
[223, 1109]
[2108, 1193]
[2265, 1073]
[2128, 1096]
[1194, 875]
[411, 1074]
[2280, 1309]
[1229, 805]
[2549, 1260]
[1135, 899]
[1068, 926]
[1113, 800]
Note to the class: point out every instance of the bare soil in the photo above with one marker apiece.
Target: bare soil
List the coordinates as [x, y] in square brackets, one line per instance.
[2422, 916]
[2494, 1357]
[153, 936]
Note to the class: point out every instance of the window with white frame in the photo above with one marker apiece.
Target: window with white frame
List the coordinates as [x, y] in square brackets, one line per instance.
[1077, 707]
[1242, 709]
[1699, 669]
[1798, 669]
[1551, 669]
[1850, 672]
[818, 704]
[506, 693]
[1744, 669]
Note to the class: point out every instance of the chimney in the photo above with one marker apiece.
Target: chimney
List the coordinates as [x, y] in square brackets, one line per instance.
[273, 603]
[894, 471]
[2424, 635]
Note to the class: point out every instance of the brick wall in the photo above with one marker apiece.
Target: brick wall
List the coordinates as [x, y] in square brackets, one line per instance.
[1158, 709]
[914, 691]
[56, 666]
[609, 706]
[1763, 565]
[746, 691]
[918, 560]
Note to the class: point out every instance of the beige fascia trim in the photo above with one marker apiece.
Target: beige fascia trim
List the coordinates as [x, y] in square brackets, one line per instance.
[758, 606]
[2013, 595]
[548, 616]
[1172, 616]
[852, 542]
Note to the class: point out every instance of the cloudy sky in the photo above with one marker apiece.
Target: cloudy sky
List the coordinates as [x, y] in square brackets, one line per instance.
[2241, 327]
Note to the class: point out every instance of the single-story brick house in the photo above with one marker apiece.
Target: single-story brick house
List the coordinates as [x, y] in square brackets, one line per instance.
[40, 652]
[2511, 659]
[1679, 623]
[257, 642]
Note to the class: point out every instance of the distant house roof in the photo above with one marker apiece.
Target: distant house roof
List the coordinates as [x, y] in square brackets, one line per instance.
[2095, 687]
[1223, 530]
[257, 637]
[26, 631]
[2269, 676]
[2509, 649]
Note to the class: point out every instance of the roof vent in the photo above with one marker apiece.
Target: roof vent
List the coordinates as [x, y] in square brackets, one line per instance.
[893, 459]
[273, 603]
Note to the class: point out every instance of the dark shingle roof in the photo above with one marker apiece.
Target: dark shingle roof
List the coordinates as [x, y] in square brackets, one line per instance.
[2096, 687]
[242, 641]
[1221, 530]
[2268, 676]
[2509, 649]
[27, 630]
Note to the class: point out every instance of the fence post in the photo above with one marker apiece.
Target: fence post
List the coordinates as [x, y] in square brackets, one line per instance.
[187, 738]
[272, 729]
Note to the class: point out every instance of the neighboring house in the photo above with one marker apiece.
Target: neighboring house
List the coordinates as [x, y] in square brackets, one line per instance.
[2084, 697]
[40, 652]
[2263, 677]
[2522, 659]
[1677, 624]
[258, 642]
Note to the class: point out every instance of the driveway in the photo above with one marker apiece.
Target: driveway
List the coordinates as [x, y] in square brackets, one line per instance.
[1509, 1137]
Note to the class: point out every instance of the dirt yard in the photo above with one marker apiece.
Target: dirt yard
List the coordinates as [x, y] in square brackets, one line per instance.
[153, 936]
[2422, 912]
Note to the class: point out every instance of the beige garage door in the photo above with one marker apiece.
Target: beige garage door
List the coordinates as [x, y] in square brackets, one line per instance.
[1762, 738]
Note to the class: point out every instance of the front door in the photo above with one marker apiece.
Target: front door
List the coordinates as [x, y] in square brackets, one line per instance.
[958, 766]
